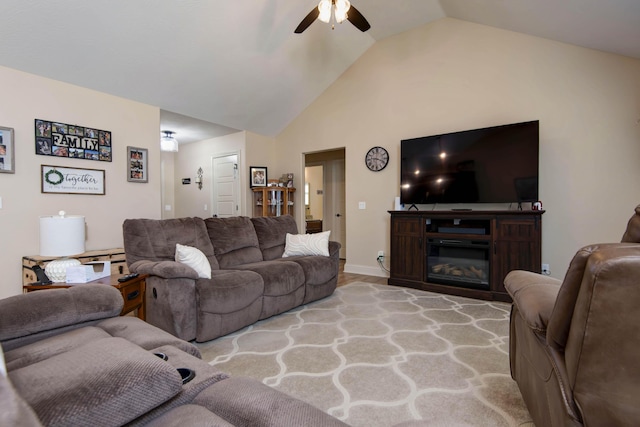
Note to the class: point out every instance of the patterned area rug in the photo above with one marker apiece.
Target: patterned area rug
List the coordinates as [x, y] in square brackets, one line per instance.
[377, 355]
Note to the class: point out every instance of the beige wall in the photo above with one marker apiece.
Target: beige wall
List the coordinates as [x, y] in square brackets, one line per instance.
[167, 173]
[26, 97]
[260, 152]
[253, 150]
[189, 200]
[453, 75]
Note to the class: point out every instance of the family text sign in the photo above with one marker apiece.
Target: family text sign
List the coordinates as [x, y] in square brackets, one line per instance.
[73, 141]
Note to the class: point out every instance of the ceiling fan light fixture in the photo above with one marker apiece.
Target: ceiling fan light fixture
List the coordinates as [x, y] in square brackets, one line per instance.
[324, 7]
[342, 7]
[168, 142]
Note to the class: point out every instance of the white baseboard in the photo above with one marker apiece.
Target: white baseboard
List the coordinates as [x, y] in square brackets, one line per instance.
[363, 269]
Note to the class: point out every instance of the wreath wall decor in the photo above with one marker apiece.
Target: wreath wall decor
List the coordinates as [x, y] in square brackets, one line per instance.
[59, 178]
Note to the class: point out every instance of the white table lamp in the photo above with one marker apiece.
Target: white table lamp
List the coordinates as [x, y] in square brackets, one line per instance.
[61, 236]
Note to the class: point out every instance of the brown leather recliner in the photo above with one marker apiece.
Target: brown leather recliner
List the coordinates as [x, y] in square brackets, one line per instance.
[575, 344]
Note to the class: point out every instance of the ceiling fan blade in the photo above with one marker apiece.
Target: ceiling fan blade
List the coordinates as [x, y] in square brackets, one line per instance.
[356, 18]
[308, 20]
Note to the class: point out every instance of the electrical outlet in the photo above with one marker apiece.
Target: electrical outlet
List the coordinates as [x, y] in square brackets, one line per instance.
[380, 253]
[545, 269]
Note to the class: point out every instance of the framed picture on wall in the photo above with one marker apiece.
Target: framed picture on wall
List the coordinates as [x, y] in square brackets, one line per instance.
[7, 158]
[64, 180]
[137, 165]
[258, 176]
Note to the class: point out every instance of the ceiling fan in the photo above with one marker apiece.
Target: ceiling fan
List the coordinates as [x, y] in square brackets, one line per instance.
[339, 10]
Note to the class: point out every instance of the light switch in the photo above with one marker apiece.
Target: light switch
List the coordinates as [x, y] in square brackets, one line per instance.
[0, 202]
[362, 205]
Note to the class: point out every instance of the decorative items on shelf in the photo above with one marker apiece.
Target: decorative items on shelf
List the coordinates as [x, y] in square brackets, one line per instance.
[287, 180]
[7, 158]
[72, 141]
[199, 178]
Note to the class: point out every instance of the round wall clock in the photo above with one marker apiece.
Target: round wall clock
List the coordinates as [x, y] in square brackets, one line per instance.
[377, 159]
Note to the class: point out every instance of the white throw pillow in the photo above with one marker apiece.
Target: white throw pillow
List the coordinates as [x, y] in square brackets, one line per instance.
[307, 244]
[194, 258]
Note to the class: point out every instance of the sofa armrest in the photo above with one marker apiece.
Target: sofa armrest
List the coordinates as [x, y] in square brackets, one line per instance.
[164, 269]
[107, 382]
[534, 295]
[334, 249]
[45, 310]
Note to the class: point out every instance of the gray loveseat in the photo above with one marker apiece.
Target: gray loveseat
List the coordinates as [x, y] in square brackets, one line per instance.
[72, 361]
[250, 280]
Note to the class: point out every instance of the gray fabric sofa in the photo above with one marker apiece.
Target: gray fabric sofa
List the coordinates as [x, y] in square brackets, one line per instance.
[250, 280]
[70, 360]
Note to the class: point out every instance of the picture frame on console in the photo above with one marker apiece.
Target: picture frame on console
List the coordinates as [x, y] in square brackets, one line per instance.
[258, 176]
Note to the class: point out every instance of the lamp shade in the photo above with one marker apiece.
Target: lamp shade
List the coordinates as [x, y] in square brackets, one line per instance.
[62, 235]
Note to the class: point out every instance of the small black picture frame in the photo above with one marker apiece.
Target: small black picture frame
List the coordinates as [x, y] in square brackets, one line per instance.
[258, 176]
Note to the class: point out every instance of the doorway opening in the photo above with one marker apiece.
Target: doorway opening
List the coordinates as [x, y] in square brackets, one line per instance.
[325, 194]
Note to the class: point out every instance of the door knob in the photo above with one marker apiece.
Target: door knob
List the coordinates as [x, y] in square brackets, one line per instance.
[338, 215]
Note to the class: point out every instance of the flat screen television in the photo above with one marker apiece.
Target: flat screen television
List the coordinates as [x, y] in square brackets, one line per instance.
[492, 165]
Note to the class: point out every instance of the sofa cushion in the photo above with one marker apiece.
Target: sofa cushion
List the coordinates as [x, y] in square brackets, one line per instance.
[279, 277]
[231, 300]
[271, 232]
[248, 402]
[14, 411]
[191, 416]
[307, 244]
[234, 241]
[144, 335]
[229, 291]
[194, 258]
[50, 309]
[205, 375]
[560, 321]
[155, 239]
[48, 347]
[107, 382]
[317, 269]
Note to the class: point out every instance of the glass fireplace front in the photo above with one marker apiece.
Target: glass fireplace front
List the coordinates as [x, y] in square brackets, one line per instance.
[458, 262]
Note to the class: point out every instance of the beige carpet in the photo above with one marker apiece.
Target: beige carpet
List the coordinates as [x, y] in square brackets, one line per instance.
[376, 355]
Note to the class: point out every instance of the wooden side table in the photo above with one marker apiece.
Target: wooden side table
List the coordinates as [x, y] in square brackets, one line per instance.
[132, 291]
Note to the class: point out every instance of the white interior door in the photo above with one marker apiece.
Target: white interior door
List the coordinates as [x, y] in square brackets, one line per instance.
[334, 214]
[226, 189]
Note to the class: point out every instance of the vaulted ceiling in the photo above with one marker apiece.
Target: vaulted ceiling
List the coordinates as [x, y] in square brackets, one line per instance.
[215, 66]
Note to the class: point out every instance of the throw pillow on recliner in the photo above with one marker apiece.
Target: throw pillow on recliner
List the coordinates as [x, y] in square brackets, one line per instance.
[307, 244]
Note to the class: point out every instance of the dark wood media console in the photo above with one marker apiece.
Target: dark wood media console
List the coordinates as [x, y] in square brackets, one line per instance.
[465, 253]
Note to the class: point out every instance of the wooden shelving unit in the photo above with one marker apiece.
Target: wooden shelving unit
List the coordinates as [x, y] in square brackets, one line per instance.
[273, 201]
